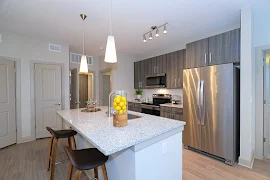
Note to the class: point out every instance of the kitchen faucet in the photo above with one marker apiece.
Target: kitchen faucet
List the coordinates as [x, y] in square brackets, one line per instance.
[109, 107]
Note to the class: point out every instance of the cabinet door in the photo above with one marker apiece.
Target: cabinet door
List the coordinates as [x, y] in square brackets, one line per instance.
[143, 73]
[178, 117]
[196, 54]
[180, 67]
[151, 63]
[172, 73]
[136, 75]
[224, 48]
[161, 64]
[130, 106]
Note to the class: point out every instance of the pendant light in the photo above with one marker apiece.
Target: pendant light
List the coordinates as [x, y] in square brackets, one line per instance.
[83, 65]
[110, 54]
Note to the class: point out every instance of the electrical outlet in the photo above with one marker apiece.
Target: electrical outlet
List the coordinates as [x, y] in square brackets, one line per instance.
[164, 148]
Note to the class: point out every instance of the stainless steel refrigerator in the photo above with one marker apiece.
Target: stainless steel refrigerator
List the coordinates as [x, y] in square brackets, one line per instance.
[211, 110]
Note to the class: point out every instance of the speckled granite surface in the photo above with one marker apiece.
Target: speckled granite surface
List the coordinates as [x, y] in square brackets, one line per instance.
[98, 129]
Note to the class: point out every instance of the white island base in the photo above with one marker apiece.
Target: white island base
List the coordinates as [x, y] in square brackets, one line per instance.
[159, 158]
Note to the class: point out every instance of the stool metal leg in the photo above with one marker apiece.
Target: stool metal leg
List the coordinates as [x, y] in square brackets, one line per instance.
[96, 172]
[70, 168]
[103, 167]
[78, 175]
[50, 153]
[53, 158]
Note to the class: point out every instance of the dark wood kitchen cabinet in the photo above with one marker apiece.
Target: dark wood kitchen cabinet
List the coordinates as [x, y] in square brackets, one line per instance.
[220, 49]
[225, 48]
[196, 54]
[171, 113]
[139, 75]
[134, 107]
[161, 64]
[150, 66]
[175, 66]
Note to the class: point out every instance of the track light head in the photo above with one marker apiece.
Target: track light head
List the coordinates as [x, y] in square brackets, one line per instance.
[150, 36]
[144, 38]
[165, 30]
[157, 33]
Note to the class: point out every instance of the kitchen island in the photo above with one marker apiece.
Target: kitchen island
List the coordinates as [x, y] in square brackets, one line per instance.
[150, 147]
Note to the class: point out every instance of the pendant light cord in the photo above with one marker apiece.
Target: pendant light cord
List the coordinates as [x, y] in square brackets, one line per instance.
[111, 19]
[83, 37]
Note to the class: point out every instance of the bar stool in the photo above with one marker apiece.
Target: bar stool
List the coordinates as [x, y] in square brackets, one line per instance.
[86, 159]
[56, 135]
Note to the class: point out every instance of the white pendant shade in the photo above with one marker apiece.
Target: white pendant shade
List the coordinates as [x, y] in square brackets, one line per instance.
[84, 65]
[110, 54]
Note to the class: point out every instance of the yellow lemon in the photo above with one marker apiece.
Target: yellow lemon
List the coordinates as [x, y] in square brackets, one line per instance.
[117, 108]
[118, 96]
[117, 100]
[123, 99]
[124, 107]
[121, 112]
[115, 104]
[124, 110]
[121, 104]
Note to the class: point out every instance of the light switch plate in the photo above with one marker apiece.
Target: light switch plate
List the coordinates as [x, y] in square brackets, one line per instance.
[164, 148]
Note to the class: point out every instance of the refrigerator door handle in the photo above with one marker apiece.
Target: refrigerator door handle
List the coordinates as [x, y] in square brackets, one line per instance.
[202, 103]
[198, 93]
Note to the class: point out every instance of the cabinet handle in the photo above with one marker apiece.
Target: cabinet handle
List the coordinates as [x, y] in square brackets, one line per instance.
[210, 58]
[205, 58]
[154, 69]
[175, 82]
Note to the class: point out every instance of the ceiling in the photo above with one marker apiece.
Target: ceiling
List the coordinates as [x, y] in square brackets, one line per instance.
[58, 21]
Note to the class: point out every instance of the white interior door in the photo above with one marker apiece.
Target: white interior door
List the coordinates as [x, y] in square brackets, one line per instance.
[47, 98]
[7, 103]
[267, 107]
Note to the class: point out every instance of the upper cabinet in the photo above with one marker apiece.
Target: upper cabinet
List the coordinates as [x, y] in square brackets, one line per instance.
[175, 66]
[220, 49]
[196, 54]
[139, 75]
[224, 48]
[161, 64]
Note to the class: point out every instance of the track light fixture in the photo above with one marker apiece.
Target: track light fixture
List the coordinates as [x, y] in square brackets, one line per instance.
[155, 28]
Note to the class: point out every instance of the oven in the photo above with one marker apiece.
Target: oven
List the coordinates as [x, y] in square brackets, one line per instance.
[154, 108]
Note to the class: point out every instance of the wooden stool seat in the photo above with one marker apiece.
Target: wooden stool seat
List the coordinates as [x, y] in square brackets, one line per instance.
[56, 135]
[62, 133]
[86, 159]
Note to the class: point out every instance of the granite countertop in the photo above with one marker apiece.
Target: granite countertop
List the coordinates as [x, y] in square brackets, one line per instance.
[172, 105]
[98, 129]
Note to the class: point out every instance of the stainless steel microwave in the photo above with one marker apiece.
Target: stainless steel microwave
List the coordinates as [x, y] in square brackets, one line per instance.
[156, 81]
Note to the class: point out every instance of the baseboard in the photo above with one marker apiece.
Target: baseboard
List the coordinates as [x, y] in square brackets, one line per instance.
[247, 163]
[26, 139]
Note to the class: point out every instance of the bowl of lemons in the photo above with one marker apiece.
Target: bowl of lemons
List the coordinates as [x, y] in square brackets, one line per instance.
[120, 117]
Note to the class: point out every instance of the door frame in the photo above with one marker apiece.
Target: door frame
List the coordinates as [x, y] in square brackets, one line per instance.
[101, 72]
[259, 98]
[18, 120]
[32, 92]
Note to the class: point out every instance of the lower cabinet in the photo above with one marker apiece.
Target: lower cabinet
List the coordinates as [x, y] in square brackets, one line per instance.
[171, 113]
[134, 107]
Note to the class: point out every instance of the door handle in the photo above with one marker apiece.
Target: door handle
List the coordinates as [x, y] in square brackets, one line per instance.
[202, 103]
[205, 58]
[210, 58]
[175, 82]
[58, 104]
[198, 97]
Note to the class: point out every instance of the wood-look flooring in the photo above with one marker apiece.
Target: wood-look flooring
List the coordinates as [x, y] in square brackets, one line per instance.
[28, 162]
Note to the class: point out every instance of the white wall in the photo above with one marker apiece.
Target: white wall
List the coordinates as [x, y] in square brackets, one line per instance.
[122, 73]
[27, 49]
[255, 33]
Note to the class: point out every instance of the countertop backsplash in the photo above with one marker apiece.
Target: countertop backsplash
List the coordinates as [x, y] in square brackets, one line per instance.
[147, 93]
